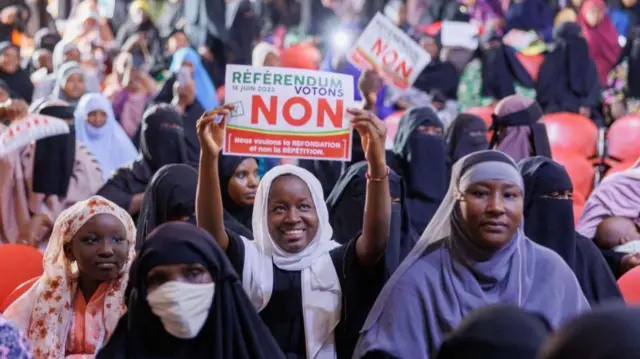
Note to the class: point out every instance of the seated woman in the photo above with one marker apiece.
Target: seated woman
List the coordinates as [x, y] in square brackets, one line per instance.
[601, 36]
[75, 305]
[310, 291]
[162, 143]
[622, 93]
[419, 157]
[604, 333]
[96, 128]
[473, 253]
[13, 74]
[466, 134]
[170, 196]
[494, 332]
[346, 218]
[43, 179]
[517, 131]
[188, 303]
[548, 221]
[494, 74]
[70, 83]
[568, 79]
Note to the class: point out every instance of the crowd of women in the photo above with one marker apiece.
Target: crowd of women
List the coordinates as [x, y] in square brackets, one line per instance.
[445, 241]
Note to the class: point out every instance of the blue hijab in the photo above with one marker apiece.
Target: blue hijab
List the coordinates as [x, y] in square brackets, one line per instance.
[109, 144]
[205, 88]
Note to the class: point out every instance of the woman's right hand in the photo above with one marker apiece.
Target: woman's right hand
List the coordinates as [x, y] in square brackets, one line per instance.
[210, 133]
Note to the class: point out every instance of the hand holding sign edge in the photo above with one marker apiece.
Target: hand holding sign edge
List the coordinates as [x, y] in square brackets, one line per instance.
[373, 134]
[211, 133]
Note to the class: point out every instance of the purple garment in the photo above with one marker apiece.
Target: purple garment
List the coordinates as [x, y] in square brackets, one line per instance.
[446, 276]
[516, 143]
[616, 196]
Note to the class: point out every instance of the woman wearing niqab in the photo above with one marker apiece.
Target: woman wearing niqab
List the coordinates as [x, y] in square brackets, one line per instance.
[419, 157]
[548, 213]
[517, 131]
[466, 134]
[162, 143]
[568, 79]
[230, 327]
[461, 263]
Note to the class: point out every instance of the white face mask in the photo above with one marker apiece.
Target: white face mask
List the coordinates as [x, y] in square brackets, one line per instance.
[182, 307]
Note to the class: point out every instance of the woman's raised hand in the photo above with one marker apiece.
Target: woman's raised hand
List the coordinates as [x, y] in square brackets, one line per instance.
[373, 135]
[210, 133]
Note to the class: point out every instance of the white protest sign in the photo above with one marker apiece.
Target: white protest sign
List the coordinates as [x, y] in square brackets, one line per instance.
[384, 47]
[459, 34]
[284, 112]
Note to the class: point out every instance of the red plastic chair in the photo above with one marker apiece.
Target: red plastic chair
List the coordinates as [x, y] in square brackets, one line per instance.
[20, 290]
[572, 132]
[18, 263]
[301, 56]
[623, 138]
[531, 64]
[391, 122]
[431, 29]
[577, 212]
[580, 170]
[629, 285]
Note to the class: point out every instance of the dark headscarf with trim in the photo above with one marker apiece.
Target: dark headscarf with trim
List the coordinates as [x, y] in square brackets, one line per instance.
[242, 215]
[170, 195]
[604, 333]
[496, 332]
[346, 212]
[550, 223]
[54, 156]
[466, 134]
[232, 330]
[528, 117]
[46, 39]
[19, 81]
[421, 161]
[631, 52]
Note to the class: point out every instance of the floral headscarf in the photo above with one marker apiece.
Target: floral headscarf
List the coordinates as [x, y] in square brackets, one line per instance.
[53, 294]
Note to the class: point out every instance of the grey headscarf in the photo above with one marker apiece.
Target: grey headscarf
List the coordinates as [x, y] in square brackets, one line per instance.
[446, 276]
[62, 75]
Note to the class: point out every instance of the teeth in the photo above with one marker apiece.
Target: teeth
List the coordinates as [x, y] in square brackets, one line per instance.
[294, 232]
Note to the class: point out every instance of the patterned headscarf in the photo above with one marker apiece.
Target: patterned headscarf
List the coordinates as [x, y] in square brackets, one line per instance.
[13, 345]
[54, 291]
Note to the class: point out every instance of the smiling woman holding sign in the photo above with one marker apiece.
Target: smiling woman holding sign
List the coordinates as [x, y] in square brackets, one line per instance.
[312, 293]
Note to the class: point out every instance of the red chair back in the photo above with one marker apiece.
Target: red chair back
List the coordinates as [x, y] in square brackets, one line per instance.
[572, 132]
[580, 170]
[301, 56]
[20, 290]
[629, 285]
[391, 122]
[623, 138]
[18, 263]
[531, 64]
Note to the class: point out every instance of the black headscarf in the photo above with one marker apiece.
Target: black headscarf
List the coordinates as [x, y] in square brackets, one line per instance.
[421, 161]
[346, 212]
[530, 117]
[162, 140]
[568, 79]
[601, 334]
[233, 329]
[19, 81]
[46, 39]
[496, 332]
[54, 156]
[501, 70]
[171, 194]
[441, 75]
[550, 223]
[466, 134]
[227, 166]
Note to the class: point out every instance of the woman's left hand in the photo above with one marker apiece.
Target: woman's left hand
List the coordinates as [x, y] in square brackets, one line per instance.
[373, 135]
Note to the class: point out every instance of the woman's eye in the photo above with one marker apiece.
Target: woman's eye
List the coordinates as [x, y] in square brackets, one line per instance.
[241, 175]
[89, 239]
[479, 194]
[279, 209]
[118, 239]
[511, 195]
[305, 207]
[194, 273]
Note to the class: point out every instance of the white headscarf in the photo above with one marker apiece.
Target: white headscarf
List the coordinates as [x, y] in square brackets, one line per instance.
[261, 51]
[321, 292]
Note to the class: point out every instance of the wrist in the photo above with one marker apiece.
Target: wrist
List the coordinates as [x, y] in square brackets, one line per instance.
[377, 169]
